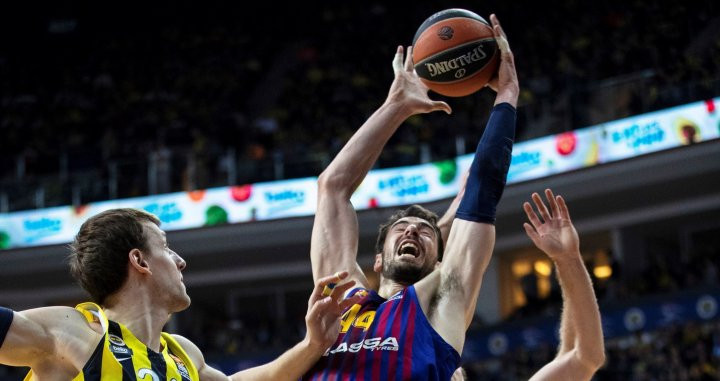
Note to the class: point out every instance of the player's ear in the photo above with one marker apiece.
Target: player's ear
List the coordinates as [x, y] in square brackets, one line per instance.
[377, 266]
[138, 261]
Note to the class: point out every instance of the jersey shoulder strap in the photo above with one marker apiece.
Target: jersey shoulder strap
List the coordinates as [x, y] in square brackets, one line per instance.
[177, 351]
[93, 313]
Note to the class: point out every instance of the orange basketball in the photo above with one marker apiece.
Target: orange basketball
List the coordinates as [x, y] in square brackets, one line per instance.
[455, 52]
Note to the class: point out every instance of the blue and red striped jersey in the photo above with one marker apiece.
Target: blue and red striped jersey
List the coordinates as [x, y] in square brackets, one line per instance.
[386, 340]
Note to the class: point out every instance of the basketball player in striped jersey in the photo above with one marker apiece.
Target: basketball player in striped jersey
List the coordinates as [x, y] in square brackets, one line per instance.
[122, 259]
[413, 327]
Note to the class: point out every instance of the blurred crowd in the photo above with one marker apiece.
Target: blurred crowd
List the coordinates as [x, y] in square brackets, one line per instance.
[662, 271]
[689, 352]
[192, 97]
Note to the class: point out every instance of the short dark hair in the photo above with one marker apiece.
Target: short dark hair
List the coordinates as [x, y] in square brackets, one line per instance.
[411, 211]
[99, 254]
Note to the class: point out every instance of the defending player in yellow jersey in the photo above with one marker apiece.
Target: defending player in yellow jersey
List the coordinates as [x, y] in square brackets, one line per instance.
[122, 259]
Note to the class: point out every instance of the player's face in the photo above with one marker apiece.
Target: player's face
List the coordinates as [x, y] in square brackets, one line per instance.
[410, 250]
[166, 267]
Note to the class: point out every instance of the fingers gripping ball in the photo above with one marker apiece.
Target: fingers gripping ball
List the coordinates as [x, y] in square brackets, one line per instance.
[455, 52]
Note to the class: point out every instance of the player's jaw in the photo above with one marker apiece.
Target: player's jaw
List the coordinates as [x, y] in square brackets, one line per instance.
[407, 263]
[183, 299]
[177, 296]
[171, 282]
[167, 267]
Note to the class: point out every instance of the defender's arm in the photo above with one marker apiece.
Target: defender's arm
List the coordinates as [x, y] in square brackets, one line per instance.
[323, 325]
[42, 335]
[582, 351]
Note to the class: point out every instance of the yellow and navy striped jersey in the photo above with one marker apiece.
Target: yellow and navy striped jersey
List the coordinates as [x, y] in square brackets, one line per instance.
[120, 356]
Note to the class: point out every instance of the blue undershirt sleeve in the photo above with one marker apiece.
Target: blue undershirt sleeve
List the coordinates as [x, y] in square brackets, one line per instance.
[6, 318]
[489, 169]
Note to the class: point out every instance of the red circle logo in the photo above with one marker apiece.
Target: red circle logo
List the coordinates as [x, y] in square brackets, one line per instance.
[241, 193]
[565, 143]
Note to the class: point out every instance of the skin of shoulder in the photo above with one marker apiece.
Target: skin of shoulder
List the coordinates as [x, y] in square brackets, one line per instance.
[191, 349]
[53, 341]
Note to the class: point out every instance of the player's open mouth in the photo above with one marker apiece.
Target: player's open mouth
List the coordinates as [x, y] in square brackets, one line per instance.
[408, 249]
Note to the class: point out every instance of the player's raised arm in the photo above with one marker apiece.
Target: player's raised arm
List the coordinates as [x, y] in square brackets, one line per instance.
[472, 237]
[44, 336]
[323, 325]
[335, 230]
[582, 351]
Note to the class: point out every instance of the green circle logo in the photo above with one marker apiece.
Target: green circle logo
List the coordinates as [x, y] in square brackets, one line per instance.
[447, 169]
[4, 240]
[215, 215]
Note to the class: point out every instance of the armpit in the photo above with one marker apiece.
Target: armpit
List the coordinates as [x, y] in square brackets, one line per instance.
[450, 287]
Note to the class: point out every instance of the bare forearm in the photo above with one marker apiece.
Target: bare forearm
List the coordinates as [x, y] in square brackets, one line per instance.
[582, 307]
[509, 95]
[582, 350]
[567, 331]
[290, 366]
[349, 168]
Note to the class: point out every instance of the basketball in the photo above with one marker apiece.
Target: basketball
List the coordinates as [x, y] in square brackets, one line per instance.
[455, 52]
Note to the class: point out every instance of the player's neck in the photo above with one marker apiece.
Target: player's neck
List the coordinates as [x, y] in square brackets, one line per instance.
[136, 310]
[389, 287]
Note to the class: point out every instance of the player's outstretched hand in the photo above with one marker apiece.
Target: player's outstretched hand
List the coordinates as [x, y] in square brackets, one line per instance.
[323, 315]
[505, 83]
[555, 233]
[408, 90]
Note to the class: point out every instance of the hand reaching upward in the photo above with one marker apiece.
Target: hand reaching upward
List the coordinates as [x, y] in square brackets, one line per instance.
[505, 82]
[582, 351]
[408, 90]
[555, 234]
